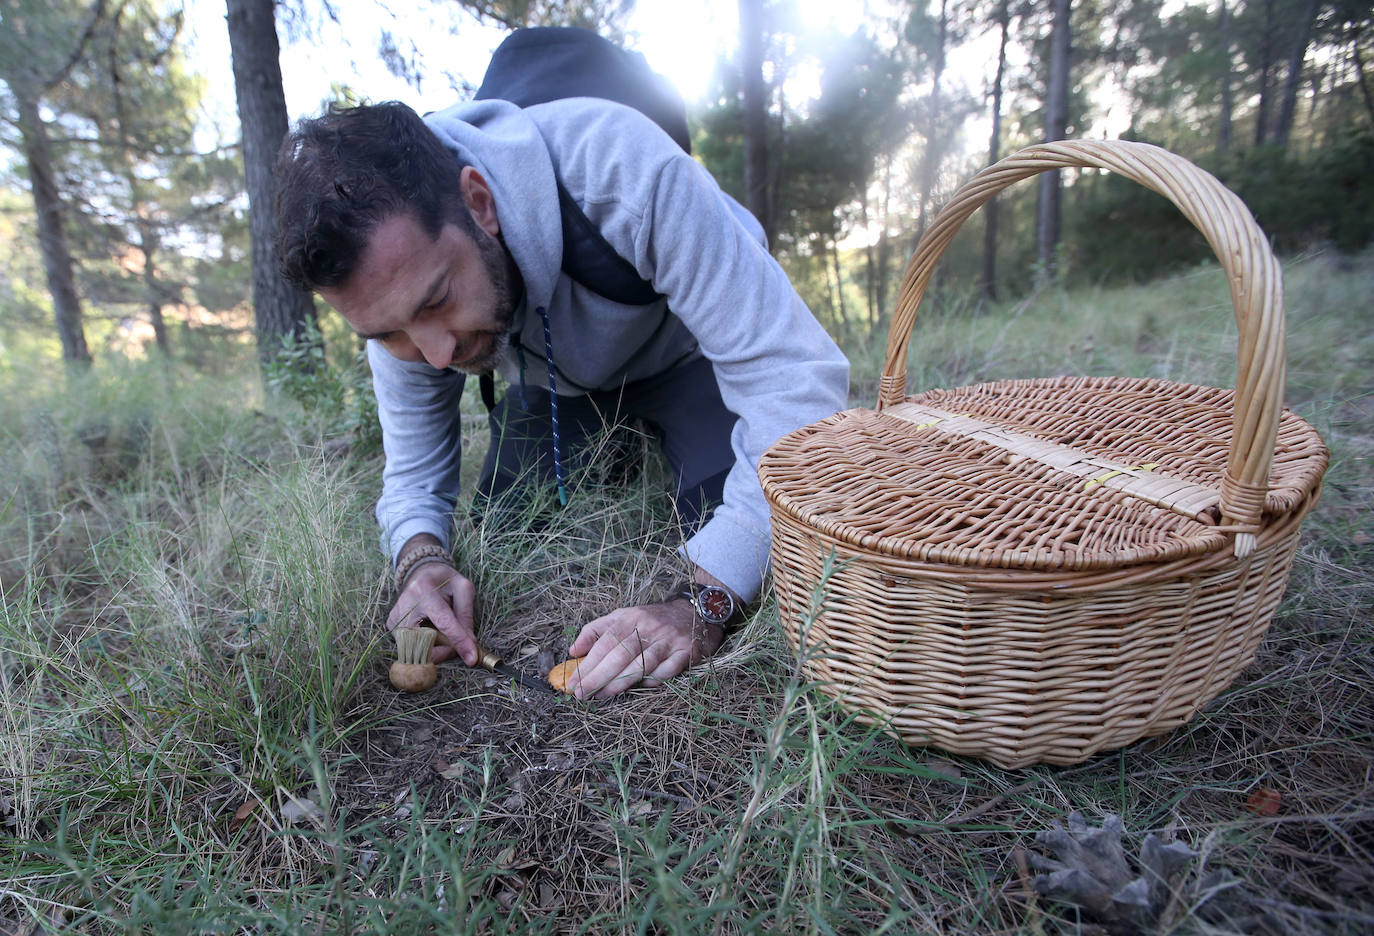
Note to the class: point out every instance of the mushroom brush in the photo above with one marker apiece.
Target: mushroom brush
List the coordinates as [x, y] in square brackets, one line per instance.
[413, 671]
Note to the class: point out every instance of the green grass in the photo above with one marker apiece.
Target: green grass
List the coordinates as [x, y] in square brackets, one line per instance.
[190, 649]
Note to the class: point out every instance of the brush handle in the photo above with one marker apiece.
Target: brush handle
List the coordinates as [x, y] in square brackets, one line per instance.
[485, 658]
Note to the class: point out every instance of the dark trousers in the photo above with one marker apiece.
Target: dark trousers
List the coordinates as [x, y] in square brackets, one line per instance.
[682, 408]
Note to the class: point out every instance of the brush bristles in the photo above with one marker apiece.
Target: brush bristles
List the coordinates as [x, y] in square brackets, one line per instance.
[414, 643]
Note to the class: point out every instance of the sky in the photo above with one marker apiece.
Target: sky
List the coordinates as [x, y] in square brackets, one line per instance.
[681, 40]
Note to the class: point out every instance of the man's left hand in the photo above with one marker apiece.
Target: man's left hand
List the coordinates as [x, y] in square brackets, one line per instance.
[643, 645]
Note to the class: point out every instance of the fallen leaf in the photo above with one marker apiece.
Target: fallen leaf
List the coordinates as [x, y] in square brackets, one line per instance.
[943, 767]
[449, 771]
[559, 760]
[1264, 802]
[509, 861]
[296, 811]
[242, 813]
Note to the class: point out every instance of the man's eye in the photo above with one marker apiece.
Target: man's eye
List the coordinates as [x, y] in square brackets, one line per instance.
[438, 303]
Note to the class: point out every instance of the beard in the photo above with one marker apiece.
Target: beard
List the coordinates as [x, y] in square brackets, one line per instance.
[506, 286]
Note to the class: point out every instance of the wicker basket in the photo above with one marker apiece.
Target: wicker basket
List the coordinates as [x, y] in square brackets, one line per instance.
[1038, 570]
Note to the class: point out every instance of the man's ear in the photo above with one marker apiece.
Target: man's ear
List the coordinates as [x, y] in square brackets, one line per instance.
[477, 197]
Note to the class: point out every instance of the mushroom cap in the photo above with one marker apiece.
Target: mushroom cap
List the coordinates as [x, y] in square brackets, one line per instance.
[560, 674]
[413, 677]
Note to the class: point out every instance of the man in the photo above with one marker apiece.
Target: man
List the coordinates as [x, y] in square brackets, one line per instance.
[439, 240]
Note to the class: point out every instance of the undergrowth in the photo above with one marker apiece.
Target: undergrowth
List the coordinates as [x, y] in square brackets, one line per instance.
[198, 735]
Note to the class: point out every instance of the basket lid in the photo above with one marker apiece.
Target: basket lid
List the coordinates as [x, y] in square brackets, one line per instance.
[1051, 474]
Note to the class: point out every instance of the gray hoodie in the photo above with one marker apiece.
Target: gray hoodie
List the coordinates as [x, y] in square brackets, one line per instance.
[725, 299]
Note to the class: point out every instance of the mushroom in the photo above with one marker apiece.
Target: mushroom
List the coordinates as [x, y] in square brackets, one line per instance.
[413, 671]
[560, 674]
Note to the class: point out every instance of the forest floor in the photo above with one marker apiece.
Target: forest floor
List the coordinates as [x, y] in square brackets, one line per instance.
[198, 733]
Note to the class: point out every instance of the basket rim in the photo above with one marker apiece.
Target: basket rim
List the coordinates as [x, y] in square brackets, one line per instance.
[1188, 539]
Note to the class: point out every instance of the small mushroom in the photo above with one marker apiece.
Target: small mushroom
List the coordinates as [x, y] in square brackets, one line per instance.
[413, 671]
[560, 674]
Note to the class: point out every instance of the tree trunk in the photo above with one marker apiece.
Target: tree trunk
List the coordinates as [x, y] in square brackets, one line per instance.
[839, 287]
[1289, 101]
[994, 153]
[1047, 228]
[279, 309]
[1359, 73]
[884, 249]
[1266, 68]
[870, 266]
[931, 157]
[148, 238]
[148, 242]
[1227, 104]
[52, 239]
[756, 195]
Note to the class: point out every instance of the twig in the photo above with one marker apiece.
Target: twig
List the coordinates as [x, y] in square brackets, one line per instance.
[1018, 857]
[978, 810]
[700, 777]
[661, 794]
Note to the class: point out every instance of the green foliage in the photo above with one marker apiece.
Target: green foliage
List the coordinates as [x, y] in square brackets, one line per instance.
[1119, 229]
[337, 398]
[147, 218]
[831, 152]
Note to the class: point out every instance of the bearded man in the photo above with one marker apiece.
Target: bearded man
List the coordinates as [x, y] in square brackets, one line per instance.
[442, 242]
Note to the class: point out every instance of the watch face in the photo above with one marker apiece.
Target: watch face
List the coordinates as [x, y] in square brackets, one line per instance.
[715, 604]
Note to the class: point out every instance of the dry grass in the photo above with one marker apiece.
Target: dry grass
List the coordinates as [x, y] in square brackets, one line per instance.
[199, 734]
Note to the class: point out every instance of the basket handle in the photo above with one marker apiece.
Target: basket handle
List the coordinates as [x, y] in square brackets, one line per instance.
[1251, 270]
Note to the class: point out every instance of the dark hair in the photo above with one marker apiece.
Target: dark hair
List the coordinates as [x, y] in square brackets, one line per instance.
[341, 174]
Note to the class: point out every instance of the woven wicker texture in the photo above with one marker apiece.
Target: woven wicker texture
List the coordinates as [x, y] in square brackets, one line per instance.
[1038, 570]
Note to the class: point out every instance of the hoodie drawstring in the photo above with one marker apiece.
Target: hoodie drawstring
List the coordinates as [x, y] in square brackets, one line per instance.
[553, 402]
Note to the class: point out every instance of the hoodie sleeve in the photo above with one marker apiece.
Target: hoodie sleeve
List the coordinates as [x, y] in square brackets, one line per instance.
[421, 435]
[776, 366]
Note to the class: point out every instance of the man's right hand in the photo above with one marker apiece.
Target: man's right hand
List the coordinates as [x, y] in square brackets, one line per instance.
[435, 592]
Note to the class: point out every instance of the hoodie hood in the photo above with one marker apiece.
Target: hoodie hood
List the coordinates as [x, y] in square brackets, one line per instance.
[519, 171]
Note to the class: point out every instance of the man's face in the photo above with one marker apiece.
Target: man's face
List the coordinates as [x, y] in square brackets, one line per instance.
[447, 300]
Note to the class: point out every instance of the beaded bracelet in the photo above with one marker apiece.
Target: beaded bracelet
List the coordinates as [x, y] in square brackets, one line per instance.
[418, 557]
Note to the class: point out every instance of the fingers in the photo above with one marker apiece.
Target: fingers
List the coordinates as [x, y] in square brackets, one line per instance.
[438, 594]
[587, 637]
[632, 645]
[678, 662]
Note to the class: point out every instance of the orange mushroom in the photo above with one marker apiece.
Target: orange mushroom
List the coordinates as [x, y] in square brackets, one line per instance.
[560, 674]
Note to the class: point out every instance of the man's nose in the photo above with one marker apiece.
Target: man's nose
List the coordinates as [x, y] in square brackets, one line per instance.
[436, 346]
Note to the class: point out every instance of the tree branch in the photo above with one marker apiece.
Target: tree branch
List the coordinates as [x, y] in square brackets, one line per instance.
[488, 11]
[97, 11]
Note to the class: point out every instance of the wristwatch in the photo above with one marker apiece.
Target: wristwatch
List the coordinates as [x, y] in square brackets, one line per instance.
[713, 604]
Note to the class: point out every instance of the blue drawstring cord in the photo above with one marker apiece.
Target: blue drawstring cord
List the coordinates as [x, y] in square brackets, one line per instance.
[553, 402]
[524, 403]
